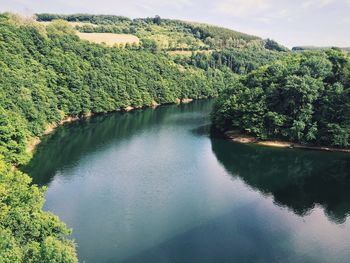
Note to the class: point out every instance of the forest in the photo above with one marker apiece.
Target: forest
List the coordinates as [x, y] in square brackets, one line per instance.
[47, 75]
[302, 98]
[236, 60]
[165, 34]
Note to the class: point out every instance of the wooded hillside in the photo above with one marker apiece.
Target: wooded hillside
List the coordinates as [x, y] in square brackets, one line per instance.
[303, 98]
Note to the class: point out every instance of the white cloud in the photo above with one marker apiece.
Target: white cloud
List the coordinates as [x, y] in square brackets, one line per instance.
[243, 8]
[163, 3]
[275, 15]
[345, 20]
[317, 3]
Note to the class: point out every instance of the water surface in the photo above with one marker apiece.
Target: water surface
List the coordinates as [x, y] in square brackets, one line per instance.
[152, 186]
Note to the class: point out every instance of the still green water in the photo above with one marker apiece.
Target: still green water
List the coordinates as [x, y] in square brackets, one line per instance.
[152, 186]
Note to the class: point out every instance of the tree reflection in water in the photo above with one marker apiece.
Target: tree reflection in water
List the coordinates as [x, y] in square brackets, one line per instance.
[296, 179]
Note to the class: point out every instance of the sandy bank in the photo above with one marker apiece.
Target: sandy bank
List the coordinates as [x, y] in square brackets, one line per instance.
[35, 141]
[183, 101]
[246, 139]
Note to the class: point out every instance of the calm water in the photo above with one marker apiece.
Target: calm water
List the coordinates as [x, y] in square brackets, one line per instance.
[152, 186]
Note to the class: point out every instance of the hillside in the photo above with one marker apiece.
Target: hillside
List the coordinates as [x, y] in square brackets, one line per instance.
[49, 74]
[302, 98]
[240, 61]
[110, 39]
[164, 34]
[305, 48]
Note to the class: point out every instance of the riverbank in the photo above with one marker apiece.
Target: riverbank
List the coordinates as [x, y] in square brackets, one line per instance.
[35, 141]
[238, 137]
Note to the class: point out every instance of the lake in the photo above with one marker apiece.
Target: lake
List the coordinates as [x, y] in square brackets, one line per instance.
[152, 186]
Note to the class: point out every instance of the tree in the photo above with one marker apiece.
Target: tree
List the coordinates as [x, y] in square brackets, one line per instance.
[157, 20]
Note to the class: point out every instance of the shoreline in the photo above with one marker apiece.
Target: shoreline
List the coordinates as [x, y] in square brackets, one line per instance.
[246, 139]
[33, 142]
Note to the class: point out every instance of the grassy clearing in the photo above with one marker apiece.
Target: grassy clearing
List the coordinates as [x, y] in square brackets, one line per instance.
[109, 39]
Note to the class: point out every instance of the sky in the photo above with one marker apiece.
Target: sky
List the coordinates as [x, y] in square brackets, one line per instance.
[289, 22]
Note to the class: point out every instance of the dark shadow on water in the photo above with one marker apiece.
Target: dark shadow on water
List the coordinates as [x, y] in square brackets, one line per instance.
[203, 130]
[66, 146]
[235, 237]
[297, 179]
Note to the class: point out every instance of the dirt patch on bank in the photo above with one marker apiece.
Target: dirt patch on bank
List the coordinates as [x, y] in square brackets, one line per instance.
[237, 136]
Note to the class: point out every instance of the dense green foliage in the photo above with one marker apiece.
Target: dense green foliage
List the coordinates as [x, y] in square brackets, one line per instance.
[219, 37]
[240, 61]
[302, 98]
[27, 234]
[95, 19]
[166, 34]
[273, 45]
[46, 76]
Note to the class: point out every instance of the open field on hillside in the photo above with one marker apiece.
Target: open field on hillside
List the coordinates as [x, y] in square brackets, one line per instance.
[109, 39]
[164, 34]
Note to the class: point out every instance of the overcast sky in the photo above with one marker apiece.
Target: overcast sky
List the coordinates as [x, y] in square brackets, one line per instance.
[296, 22]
